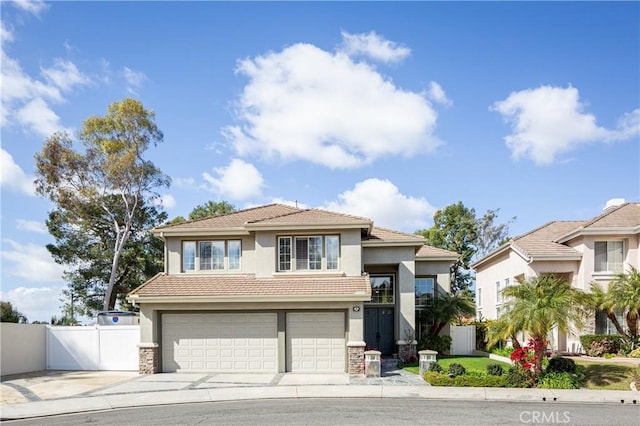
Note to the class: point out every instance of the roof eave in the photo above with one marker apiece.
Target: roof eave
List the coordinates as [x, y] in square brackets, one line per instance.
[490, 256]
[270, 298]
[437, 257]
[387, 243]
[542, 258]
[602, 230]
[204, 232]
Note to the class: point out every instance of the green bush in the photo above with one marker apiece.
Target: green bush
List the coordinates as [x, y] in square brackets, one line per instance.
[561, 365]
[456, 369]
[440, 344]
[600, 344]
[518, 378]
[505, 352]
[558, 381]
[609, 356]
[484, 381]
[434, 366]
[634, 353]
[495, 370]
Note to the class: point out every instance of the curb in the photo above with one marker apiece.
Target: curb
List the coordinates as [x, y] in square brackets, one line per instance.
[143, 399]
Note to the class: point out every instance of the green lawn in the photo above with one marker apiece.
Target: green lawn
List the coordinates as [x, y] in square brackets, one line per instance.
[606, 376]
[603, 376]
[470, 363]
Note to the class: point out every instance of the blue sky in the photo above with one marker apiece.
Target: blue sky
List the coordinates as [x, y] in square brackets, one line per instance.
[385, 110]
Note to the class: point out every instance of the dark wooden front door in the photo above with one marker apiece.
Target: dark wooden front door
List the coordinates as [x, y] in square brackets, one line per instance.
[378, 329]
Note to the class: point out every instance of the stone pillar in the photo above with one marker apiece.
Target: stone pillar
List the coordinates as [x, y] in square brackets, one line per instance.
[407, 349]
[427, 357]
[149, 361]
[356, 357]
[372, 365]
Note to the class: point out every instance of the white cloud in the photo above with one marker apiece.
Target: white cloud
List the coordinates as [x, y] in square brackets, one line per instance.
[39, 117]
[549, 121]
[437, 94]
[65, 75]
[373, 46]
[13, 177]
[31, 226]
[36, 303]
[167, 201]
[239, 180]
[6, 35]
[306, 103]
[134, 79]
[382, 201]
[32, 262]
[34, 7]
[183, 182]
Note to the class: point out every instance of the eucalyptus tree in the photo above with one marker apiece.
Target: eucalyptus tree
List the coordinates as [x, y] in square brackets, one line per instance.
[107, 172]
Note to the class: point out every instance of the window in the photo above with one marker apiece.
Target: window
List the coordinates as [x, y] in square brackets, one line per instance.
[605, 326]
[306, 253]
[608, 256]
[507, 282]
[478, 297]
[424, 292]
[211, 255]
[234, 254]
[382, 289]
[332, 251]
[284, 253]
[498, 293]
[498, 312]
[189, 255]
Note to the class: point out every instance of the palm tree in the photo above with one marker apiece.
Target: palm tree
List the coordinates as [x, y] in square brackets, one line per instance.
[446, 308]
[624, 294]
[537, 306]
[599, 301]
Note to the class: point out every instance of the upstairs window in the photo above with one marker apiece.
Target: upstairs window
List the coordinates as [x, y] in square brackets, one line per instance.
[425, 292]
[608, 256]
[498, 293]
[309, 253]
[382, 289]
[478, 297]
[211, 255]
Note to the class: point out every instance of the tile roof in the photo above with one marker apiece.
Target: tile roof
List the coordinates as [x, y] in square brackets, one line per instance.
[624, 216]
[541, 241]
[312, 217]
[236, 219]
[163, 285]
[429, 251]
[383, 234]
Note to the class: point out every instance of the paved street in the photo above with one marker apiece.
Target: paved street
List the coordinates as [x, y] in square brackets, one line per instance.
[358, 411]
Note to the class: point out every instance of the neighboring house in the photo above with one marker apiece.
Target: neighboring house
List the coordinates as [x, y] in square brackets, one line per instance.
[580, 251]
[278, 289]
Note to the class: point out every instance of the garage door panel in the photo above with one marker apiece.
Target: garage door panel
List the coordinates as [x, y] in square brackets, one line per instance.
[219, 342]
[315, 342]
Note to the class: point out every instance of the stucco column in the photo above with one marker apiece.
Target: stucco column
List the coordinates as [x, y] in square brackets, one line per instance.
[149, 350]
[406, 293]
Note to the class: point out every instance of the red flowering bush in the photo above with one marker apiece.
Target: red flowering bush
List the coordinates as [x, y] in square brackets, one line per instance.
[527, 356]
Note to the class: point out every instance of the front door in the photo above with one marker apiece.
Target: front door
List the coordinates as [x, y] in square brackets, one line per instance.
[378, 329]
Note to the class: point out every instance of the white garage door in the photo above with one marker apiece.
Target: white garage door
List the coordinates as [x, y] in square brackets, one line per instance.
[315, 342]
[220, 342]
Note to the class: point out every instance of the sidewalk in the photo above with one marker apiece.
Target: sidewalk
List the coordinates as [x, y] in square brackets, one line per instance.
[113, 390]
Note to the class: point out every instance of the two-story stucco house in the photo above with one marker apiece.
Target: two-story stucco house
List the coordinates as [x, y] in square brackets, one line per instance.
[581, 251]
[281, 289]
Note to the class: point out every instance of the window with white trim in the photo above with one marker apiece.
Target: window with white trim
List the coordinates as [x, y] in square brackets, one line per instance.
[498, 293]
[609, 256]
[216, 255]
[308, 253]
[478, 297]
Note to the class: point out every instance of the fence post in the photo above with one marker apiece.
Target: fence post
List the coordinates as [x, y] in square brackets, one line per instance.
[427, 357]
[372, 363]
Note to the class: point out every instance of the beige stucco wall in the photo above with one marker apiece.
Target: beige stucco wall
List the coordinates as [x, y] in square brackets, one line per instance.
[23, 348]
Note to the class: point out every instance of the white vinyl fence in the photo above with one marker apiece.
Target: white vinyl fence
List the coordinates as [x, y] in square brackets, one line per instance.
[93, 348]
[463, 339]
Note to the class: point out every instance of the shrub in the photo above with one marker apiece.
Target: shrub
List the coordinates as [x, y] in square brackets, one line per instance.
[600, 344]
[561, 365]
[495, 370]
[435, 367]
[634, 353]
[438, 379]
[440, 344]
[505, 352]
[517, 377]
[609, 356]
[558, 380]
[456, 369]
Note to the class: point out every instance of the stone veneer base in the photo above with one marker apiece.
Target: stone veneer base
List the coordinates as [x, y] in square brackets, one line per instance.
[148, 360]
[356, 360]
